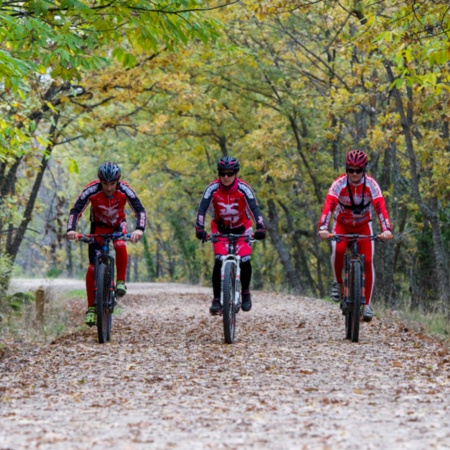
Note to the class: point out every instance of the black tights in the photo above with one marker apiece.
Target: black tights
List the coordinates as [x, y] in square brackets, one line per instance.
[246, 275]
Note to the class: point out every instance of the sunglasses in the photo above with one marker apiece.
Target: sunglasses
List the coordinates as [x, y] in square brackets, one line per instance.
[227, 174]
[355, 171]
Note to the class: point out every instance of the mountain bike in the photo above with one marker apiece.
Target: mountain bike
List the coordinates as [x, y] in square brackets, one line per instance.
[104, 287]
[353, 296]
[230, 287]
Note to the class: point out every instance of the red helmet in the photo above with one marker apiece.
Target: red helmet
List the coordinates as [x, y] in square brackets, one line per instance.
[356, 158]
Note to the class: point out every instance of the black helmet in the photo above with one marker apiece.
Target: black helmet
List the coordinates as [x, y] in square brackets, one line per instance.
[109, 171]
[228, 163]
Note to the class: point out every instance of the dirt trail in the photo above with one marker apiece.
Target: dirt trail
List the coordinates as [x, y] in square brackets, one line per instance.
[167, 381]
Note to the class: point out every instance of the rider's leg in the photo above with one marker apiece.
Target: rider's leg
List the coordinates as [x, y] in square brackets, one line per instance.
[121, 267]
[90, 285]
[246, 276]
[246, 273]
[216, 280]
[338, 253]
[216, 277]
[94, 248]
[90, 282]
[366, 248]
[121, 260]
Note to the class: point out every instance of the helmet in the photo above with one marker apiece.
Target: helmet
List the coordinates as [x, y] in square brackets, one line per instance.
[109, 171]
[356, 158]
[228, 163]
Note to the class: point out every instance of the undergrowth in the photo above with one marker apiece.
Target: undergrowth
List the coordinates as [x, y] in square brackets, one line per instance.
[19, 324]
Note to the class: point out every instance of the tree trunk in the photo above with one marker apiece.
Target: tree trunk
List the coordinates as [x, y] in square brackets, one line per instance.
[13, 244]
[283, 253]
[430, 209]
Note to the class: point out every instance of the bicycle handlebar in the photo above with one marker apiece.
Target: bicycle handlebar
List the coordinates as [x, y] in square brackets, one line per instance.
[90, 238]
[216, 237]
[354, 237]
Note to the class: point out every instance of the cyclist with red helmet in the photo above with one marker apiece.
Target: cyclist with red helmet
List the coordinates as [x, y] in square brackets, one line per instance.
[350, 198]
[108, 197]
[234, 206]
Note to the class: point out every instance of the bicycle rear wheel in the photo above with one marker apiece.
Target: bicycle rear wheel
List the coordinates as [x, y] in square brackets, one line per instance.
[104, 317]
[355, 297]
[229, 307]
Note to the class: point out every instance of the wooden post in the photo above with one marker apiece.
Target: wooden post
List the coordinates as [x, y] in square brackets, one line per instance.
[40, 302]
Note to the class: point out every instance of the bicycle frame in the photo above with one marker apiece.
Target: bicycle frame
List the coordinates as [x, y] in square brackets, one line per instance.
[104, 268]
[106, 258]
[351, 257]
[234, 260]
[230, 291]
[353, 296]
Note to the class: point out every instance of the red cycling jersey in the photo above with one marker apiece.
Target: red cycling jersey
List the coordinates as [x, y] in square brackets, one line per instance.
[352, 207]
[231, 207]
[356, 213]
[107, 216]
[108, 212]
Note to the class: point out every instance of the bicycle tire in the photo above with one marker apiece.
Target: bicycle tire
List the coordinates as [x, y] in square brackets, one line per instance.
[355, 295]
[348, 324]
[104, 319]
[228, 307]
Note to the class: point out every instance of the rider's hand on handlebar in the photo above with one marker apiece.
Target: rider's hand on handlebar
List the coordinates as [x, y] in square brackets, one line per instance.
[202, 235]
[385, 235]
[136, 236]
[260, 235]
[324, 234]
[72, 235]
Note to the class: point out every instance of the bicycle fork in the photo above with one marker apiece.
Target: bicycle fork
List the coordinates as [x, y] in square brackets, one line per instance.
[348, 259]
[108, 260]
[234, 260]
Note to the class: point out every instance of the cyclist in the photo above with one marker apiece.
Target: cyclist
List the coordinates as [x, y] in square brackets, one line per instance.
[108, 197]
[234, 205]
[351, 197]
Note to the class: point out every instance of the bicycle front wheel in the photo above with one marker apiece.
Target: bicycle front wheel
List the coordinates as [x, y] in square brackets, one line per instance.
[104, 317]
[355, 297]
[229, 307]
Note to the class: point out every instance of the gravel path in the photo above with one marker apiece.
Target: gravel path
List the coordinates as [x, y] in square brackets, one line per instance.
[167, 381]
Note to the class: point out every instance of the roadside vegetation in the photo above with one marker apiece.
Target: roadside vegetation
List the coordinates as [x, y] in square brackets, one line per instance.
[165, 88]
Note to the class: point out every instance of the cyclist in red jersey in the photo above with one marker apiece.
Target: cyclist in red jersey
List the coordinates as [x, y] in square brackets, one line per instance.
[108, 197]
[350, 198]
[234, 206]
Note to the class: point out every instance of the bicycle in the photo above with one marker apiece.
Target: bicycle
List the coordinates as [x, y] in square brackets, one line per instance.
[104, 287]
[230, 287]
[353, 288]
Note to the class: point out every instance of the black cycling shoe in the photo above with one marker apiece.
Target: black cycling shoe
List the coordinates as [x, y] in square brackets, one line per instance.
[246, 301]
[215, 307]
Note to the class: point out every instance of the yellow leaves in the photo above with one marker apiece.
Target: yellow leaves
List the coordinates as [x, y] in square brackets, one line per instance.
[331, 136]
[42, 141]
[159, 122]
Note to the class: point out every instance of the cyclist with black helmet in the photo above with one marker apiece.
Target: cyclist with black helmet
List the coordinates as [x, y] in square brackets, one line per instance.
[350, 198]
[108, 197]
[234, 206]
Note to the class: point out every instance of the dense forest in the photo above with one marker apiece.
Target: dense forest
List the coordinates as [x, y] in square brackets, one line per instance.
[165, 88]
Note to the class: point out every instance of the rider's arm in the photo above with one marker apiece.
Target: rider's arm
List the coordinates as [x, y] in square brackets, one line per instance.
[329, 206]
[379, 206]
[203, 207]
[381, 211]
[331, 202]
[135, 204]
[80, 205]
[252, 204]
